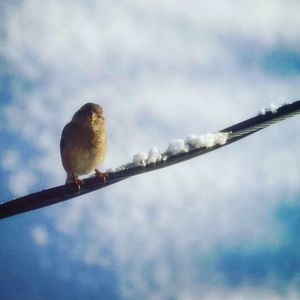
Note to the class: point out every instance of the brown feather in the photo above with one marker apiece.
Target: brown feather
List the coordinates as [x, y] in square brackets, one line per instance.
[83, 145]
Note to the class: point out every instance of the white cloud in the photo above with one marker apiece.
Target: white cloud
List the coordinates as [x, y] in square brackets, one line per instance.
[10, 160]
[241, 294]
[21, 181]
[40, 235]
[162, 71]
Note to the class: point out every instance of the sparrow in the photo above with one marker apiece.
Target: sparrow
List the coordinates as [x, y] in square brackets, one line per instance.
[83, 143]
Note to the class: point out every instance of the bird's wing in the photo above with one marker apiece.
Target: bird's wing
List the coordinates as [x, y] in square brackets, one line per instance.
[64, 133]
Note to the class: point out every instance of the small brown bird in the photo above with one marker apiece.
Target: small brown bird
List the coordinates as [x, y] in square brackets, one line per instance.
[83, 143]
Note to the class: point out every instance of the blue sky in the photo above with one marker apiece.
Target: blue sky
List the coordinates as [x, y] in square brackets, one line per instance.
[223, 226]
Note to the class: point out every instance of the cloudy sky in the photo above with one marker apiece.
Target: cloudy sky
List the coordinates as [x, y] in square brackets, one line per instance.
[223, 226]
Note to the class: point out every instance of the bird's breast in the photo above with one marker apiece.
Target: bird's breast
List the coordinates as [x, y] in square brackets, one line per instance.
[84, 150]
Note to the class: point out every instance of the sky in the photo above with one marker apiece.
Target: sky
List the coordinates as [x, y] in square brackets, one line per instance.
[221, 226]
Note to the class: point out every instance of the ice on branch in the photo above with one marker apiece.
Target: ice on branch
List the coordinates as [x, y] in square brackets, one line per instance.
[154, 155]
[271, 108]
[176, 147]
[120, 168]
[140, 159]
[207, 140]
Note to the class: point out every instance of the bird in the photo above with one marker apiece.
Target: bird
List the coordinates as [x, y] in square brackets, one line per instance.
[83, 144]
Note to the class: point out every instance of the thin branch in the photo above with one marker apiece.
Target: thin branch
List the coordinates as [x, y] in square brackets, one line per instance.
[68, 191]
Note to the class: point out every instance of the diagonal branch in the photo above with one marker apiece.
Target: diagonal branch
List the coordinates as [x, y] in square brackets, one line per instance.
[68, 191]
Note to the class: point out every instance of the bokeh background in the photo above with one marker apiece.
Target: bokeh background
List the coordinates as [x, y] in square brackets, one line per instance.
[222, 226]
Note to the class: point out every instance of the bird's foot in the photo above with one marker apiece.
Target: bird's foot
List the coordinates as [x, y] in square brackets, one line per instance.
[103, 176]
[78, 182]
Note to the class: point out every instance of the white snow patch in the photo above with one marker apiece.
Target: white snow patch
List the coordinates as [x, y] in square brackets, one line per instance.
[221, 138]
[271, 108]
[140, 159]
[176, 146]
[154, 155]
[207, 140]
[121, 168]
[262, 111]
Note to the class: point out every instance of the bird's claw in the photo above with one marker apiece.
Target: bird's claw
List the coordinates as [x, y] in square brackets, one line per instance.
[78, 182]
[103, 176]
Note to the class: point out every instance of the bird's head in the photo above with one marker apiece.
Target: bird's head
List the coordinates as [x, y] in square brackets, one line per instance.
[90, 115]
